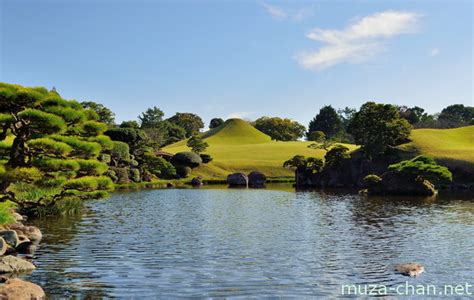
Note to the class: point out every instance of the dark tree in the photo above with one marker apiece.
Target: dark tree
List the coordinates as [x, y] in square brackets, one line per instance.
[130, 124]
[377, 127]
[105, 115]
[280, 129]
[412, 114]
[190, 122]
[456, 115]
[327, 121]
[151, 118]
[196, 144]
[216, 122]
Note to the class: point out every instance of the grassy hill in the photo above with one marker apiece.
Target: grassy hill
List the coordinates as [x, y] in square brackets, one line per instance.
[452, 147]
[237, 146]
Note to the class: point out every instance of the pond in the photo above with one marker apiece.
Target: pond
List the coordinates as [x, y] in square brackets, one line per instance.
[238, 242]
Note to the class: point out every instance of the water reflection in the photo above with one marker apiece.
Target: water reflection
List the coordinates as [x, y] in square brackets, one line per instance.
[217, 243]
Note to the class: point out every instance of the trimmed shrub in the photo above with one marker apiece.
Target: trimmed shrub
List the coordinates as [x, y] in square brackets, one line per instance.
[183, 171]
[91, 167]
[336, 155]
[120, 151]
[42, 123]
[206, 158]
[372, 180]
[424, 167]
[70, 115]
[135, 175]
[158, 166]
[81, 148]
[105, 142]
[83, 184]
[188, 159]
[54, 164]
[46, 145]
[122, 175]
[93, 128]
[104, 183]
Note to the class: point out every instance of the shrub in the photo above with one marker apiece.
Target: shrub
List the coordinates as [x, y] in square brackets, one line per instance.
[105, 158]
[424, 167]
[183, 171]
[135, 175]
[188, 159]
[85, 184]
[105, 142]
[91, 167]
[206, 158]
[336, 155]
[158, 166]
[120, 151]
[372, 180]
[122, 175]
[196, 144]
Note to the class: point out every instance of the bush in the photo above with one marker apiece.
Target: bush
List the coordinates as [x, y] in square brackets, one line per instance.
[91, 167]
[188, 159]
[424, 167]
[372, 180]
[122, 175]
[158, 166]
[206, 158]
[183, 171]
[105, 158]
[105, 142]
[120, 151]
[336, 155]
[135, 175]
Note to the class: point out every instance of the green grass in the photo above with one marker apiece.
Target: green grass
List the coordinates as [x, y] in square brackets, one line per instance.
[236, 146]
[452, 147]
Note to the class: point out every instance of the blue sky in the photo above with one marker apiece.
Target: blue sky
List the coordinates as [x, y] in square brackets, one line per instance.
[241, 58]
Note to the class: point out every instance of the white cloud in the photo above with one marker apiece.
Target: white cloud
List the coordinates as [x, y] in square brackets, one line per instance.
[281, 14]
[274, 11]
[433, 52]
[359, 41]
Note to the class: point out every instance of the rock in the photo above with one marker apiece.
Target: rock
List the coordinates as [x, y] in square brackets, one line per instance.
[196, 181]
[15, 264]
[31, 232]
[170, 185]
[17, 217]
[257, 179]
[3, 246]
[26, 248]
[10, 236]
[393, 183]
[237, 179]
[21, 290]
[409, 269]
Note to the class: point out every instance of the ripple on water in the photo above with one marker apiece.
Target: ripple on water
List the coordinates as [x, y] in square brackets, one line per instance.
[219, 243]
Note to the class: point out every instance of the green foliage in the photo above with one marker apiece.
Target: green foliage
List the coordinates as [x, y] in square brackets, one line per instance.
[68, 114]
[121, 175]
[336, 155]
[130, 124]
[21, 174]
[190, 122]
[5, 119]
[206, 158]
[133, 137]
[183, 171]
[151, 118]
[188, 159]
[93, 128]
[196, 144]
[54, 164]
[135, 175]
[424, 167]
[104, 114]
[456, 115]
[49, 146]
[91, 167]
[327, 121]
[301, 163]
[372, 180]
[105, 142]
[297, 161]
[377, 127]
[42, 123]
[316, 136]
[280, 129]
[158, 166]
[5, 213]
[82, 149]
[215, 122]
[120, 151]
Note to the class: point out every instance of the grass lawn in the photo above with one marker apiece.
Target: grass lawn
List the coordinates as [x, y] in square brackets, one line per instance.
[236, 146]
[453, 147]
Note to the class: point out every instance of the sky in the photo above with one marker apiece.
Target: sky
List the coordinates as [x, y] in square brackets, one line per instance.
[242, 59]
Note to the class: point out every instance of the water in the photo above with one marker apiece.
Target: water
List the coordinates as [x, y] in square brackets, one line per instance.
[227, 242]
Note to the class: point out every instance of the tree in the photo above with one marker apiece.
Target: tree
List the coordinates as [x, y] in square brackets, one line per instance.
[336, 155]
[196, 144]
[301, 163]
[151, 118]
[216, 122]
[135, 138]
[327, 121]
[280, 129]
[423, 167]
[130, 124]
[190, 122]
[412, 114]
[321, 141]
[53, 156]
[377, 127]
[105, 115]
[456, 115]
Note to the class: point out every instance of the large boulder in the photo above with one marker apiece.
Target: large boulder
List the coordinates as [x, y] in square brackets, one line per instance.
[3, 246]
[31, 232]
[257, 179]
[21, 290]
[196, 181]
[10, 264]
[10, 236]
[237, 179]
